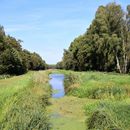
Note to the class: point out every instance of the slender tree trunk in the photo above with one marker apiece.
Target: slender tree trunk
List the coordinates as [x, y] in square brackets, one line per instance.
[124, 58]
[126, 63]
[118, 64]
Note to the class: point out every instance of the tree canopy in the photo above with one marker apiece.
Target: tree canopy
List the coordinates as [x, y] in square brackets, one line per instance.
[16, 60]
[105, 46]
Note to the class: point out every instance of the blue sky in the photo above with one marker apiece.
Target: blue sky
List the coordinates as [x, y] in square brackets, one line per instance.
[49, 26]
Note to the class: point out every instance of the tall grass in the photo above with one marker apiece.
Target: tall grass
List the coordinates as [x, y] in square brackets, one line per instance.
[70, 82]
[109, 108]
[97, 85]
[108, 115]
[24, 105]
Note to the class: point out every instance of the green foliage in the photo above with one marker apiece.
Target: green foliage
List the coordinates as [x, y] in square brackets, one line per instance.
[59, 65]
[36, 62]
[13, 43]
[105, 46]
[14, 60]
[2, 34]
[11, 59]
[3, 69]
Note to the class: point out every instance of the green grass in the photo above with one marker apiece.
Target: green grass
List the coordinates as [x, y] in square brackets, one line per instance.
[93, 101]
[23, 101]
[109, 115]
[67, 113]
[109, 107]
[10, 87]
[97, 85]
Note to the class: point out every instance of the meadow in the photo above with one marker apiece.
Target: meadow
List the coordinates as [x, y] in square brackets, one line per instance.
[23, 101]
[109, 106]
[93, 101]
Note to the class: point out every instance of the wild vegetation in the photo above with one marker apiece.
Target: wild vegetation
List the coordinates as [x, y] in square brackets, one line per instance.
[105, 46]
[98, 85]
[108, 94]
[23, 102]
[108, 114]
[14, 59]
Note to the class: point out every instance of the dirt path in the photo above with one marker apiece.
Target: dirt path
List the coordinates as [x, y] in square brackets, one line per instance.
[67, 113]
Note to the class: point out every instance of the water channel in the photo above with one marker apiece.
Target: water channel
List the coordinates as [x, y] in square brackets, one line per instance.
[57, 84]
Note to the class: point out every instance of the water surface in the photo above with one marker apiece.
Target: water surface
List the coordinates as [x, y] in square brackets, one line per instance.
[57, 84]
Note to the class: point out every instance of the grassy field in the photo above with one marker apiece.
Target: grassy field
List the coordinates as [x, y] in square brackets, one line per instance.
[93, 101]
[23, 101]
[97, 85]
[110, 98]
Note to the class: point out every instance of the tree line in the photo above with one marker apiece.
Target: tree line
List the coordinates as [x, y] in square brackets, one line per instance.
[105, 46]
[14, 59]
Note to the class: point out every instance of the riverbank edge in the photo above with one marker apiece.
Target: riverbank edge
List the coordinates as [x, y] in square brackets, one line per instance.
[25, 108]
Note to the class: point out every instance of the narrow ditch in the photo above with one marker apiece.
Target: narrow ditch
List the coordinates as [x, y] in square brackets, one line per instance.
[57, 84]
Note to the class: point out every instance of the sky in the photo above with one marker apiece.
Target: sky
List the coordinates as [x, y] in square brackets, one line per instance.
[49, 26]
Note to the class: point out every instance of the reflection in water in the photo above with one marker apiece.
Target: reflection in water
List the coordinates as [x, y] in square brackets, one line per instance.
[57, 84]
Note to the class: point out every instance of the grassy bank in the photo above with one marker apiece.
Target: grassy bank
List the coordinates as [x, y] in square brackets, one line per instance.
[97, 85]
[109, 94]
[93, 101]
[23, 101]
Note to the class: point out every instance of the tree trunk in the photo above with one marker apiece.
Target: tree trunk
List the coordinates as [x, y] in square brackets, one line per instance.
[125, 64]
[118, 64]
[124, 58]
